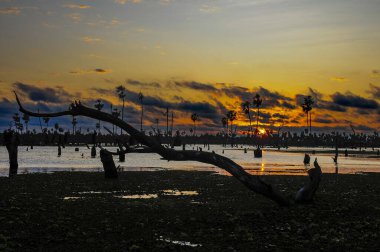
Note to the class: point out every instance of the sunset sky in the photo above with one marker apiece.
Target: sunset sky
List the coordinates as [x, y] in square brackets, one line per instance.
[196, 56]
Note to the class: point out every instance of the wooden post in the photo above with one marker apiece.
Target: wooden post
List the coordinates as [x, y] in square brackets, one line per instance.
[108, 164]
[11, 141]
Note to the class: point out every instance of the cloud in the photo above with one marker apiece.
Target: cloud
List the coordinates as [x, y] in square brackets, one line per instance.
[91, 71]
[10, 11]
[374, 91]
[376, 73]
[90, 40]
[128, 1]
[195, 85]
[351, 100]
[339, 79]
[43, 94]
[208, 8]
[75, 17]
[143, 84]
[77, 6]
[323, 120]
[319, 102]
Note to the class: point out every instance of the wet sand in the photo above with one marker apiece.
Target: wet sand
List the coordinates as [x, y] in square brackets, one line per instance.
[184, 210]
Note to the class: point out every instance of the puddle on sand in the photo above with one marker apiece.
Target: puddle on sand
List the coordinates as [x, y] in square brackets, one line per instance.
[100, 192]
[181, 243]
[138, 196]
[71, 198]
[179, 193]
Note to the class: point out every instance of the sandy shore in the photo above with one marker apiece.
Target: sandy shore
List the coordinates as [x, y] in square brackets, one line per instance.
[84, 212]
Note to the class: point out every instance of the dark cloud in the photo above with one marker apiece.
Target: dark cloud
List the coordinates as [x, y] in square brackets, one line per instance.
[376, 72]
[319, 101]
[374, 91]
[280, 116]
[100, 70]
[143, 84]
[43, 94]
[323, 120]
[242, 93]
[195, 85]
[288, 105]
[351, 100]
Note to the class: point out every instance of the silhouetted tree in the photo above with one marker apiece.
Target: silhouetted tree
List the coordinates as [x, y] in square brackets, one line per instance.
[225, 123]
[46, 121]
[306, 108]
[231, 116]
[74, 123]
[99, 106]
[194, 117]
[141, 98]
[26, 119]
[257, 101]
[16, 121]
[116, 114]
[247, 111]
[120, 90]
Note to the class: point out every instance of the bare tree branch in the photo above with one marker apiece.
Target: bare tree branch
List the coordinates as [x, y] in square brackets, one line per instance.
[251, 181]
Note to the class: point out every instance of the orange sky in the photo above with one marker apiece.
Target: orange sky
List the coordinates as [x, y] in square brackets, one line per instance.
[328, 49]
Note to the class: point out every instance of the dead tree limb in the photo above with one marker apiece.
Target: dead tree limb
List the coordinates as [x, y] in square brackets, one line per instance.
[251, 181]
[306, 193]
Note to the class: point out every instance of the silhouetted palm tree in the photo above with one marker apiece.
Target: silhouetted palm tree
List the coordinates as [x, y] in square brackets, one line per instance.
[121, 93]
[225, 123]
[141, 97]
[116, 114]
[306, 108]
[99, 106]
[257, 101]
[26, 119]
[231, 116]
[74, 123]
[194, 118]
[46, 121]
[247, 111]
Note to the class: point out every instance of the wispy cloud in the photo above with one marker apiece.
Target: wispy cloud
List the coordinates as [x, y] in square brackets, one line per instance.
[90, 40]
[10, 11]
[374, 91]
[75, 17]
[208, 8]
[77, 6]
[90, 71]
[339, 79]
[376, 73]
[127, 1]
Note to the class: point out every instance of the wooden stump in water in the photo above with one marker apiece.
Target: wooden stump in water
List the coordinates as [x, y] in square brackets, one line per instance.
[258, 153]
[121, 157]
[93, 151]
[11, 141]
[108, 164]
[306, 159]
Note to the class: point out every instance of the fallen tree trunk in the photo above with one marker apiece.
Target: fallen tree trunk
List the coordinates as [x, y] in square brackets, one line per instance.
[251, 181]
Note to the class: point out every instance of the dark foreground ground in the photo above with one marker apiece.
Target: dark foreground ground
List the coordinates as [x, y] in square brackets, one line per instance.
[224, 216]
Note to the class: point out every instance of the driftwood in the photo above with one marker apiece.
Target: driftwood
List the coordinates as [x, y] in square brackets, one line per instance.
[306, 193]
[251, 181]
[12, 141]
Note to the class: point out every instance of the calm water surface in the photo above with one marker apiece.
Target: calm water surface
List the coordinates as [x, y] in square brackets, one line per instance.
[45, 159]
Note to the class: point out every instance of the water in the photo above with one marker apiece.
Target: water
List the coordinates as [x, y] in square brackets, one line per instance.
[45, 159]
